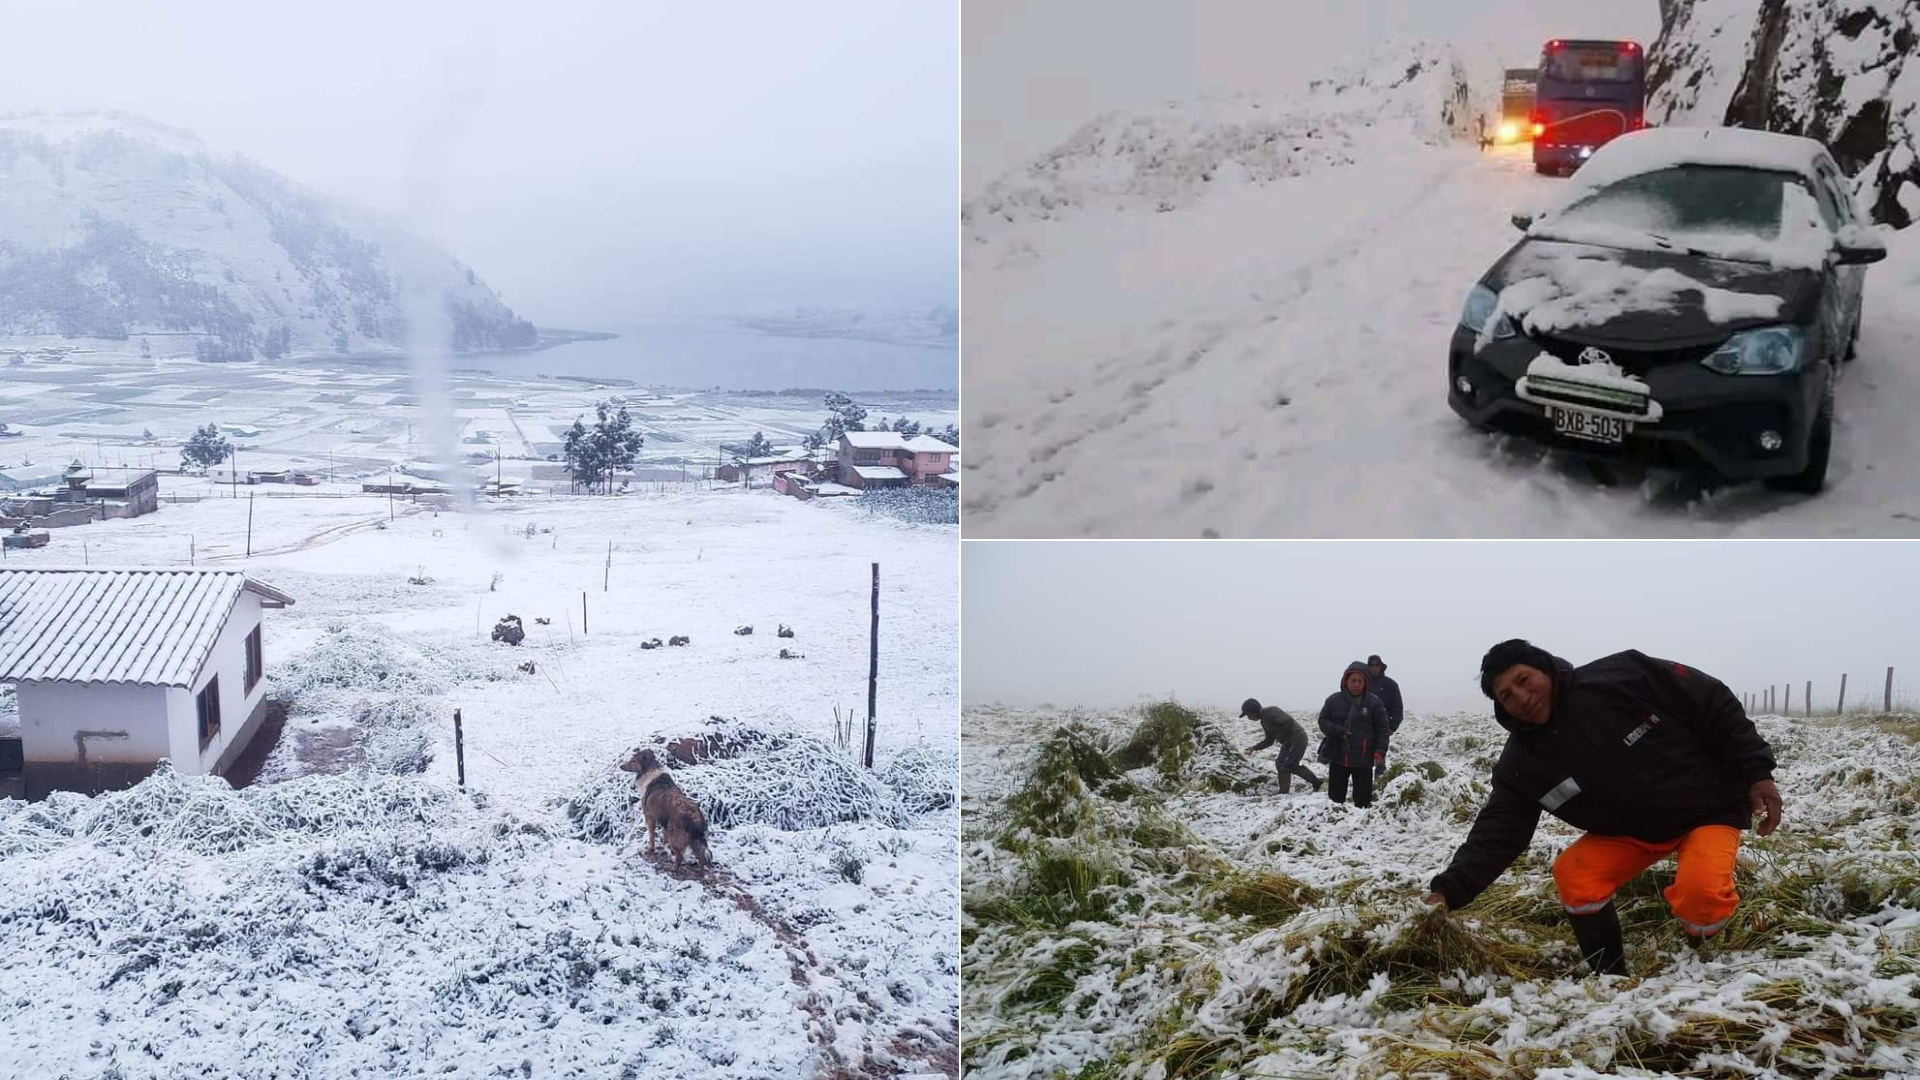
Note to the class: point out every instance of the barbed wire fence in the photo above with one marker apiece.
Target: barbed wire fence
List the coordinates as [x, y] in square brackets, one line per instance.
[1846, 694]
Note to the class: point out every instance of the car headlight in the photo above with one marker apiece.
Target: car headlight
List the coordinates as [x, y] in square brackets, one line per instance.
[1770, 350]
[1481, 303]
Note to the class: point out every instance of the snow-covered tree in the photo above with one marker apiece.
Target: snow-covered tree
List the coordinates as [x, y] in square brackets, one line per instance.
[205, 449]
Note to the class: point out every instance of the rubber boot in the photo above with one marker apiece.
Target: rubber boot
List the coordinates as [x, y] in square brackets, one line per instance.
[1286, 782]
[1598, 935]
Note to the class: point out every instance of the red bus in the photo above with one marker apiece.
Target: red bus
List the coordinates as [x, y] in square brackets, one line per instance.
[1588, 92]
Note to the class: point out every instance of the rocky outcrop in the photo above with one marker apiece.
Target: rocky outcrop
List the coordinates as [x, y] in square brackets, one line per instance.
[1841, 72]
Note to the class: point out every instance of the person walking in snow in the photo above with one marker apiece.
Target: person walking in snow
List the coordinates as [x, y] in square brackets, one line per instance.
[1286, 731]
[1388, 692]
[1356, 731]
[1648, 757]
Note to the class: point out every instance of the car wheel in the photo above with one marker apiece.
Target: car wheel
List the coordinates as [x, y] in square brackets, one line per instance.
[1810, 480]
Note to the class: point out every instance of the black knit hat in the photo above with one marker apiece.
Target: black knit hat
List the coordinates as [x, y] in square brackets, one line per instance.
[1508, 653]
[1250, 709]
[1375, 659]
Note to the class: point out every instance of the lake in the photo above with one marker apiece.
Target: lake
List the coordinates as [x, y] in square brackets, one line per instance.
[699, 354]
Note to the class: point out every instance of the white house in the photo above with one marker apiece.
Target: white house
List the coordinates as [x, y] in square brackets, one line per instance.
[116, 669]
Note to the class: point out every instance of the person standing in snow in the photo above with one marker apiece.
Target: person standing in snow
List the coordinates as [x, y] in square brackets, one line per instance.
[1388, 692]
[1285, 730]
[1650, 758]
[1356, 729]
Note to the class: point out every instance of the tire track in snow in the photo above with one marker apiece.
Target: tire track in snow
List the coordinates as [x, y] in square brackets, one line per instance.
[1183, 347]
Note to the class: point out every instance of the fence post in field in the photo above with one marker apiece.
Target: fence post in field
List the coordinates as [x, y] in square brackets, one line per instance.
[1808, 696]
[1842, 707]
[1787, 694]
[873, 663]
[1888, 706]
[459, 748]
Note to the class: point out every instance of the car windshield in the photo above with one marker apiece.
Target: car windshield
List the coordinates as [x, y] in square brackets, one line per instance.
[1692, 200]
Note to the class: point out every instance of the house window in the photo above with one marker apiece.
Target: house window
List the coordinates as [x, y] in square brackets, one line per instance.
[866, 457]
[209, 711]
[253, 659]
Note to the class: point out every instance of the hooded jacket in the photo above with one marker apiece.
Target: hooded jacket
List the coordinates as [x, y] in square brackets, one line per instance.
[1355, 729]
[1633, 746]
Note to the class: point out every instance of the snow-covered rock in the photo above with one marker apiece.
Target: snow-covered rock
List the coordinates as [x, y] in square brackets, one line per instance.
[115, 225]
[1834, 71]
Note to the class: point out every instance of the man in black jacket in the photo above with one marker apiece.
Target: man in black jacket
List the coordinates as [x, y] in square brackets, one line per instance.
[1285, 730]
[1649, 757]
[1388, 692]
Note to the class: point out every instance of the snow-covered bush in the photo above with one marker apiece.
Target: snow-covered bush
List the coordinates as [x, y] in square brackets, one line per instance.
[924, 778]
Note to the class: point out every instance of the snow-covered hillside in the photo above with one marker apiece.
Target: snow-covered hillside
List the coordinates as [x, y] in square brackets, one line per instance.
[383, 922]
[1141, 902]
[1172, 157]
[116, 226]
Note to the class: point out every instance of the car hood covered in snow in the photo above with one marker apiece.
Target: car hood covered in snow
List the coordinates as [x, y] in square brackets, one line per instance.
[1628, 296]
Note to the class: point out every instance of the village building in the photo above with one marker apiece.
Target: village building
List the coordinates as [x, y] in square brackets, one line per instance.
[116, 669]
[882, 459]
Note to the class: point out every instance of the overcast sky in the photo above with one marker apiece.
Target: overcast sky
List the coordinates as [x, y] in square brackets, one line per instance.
[588, 159]
[1038, 69]
[1105, 623]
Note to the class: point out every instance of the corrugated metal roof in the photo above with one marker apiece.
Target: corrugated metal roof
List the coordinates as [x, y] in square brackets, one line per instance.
[876, 440]
[150, 627]
[879, 472]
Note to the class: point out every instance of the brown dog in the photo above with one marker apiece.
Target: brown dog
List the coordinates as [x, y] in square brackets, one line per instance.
[664, 804]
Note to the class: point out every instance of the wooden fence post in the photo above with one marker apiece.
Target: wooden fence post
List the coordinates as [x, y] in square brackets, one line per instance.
[1788, 693]
[1842, 707]
[249, 524]
[1808, 697]
[459, 748]
[873, 663]
[1888, 706]
[583, 612]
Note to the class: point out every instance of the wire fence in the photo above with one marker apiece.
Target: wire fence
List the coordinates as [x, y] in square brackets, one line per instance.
[1845, 694]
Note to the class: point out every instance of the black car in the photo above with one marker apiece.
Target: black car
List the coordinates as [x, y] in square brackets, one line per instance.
[1688, 304]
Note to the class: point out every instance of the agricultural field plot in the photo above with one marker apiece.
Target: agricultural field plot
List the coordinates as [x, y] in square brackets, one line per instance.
[1140, 901]
[104, 406]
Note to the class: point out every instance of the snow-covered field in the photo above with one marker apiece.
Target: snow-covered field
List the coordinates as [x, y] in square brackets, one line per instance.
[94, 402]
[378, 921]
[1239, 355]
[1185, 919]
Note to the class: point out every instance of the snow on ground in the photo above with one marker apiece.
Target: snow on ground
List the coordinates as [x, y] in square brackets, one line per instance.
[1270, 360]
[1189, 920]
[387, 924]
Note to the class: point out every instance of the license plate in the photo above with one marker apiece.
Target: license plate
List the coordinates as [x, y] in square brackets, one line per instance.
[1592, 427]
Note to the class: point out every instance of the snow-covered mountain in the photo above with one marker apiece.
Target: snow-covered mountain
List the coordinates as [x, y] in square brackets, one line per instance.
[112, 225]
[1171, 157]
[1839, 71]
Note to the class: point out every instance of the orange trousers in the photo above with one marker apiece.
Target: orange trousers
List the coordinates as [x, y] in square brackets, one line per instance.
[1701, 896]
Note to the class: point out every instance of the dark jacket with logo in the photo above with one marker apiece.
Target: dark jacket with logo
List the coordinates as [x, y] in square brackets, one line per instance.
[1634, 746]
[1353, 732]
[1388, 692]
[1279, 728]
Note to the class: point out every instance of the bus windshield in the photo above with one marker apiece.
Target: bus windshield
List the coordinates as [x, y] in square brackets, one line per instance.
[1578, 66]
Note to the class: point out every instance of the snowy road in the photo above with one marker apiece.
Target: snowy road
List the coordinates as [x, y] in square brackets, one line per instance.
[1271, 362]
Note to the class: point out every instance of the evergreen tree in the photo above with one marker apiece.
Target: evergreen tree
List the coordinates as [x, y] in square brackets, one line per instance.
[205, 449]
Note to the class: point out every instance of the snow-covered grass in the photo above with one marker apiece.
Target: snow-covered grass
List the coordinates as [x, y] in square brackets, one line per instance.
[382, 920]
[1157, 923]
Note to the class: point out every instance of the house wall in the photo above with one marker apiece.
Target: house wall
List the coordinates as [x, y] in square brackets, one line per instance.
[123, 729]
[240, 712]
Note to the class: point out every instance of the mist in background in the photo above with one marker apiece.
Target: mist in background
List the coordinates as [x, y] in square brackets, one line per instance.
[1102, 624]
[592, 161]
